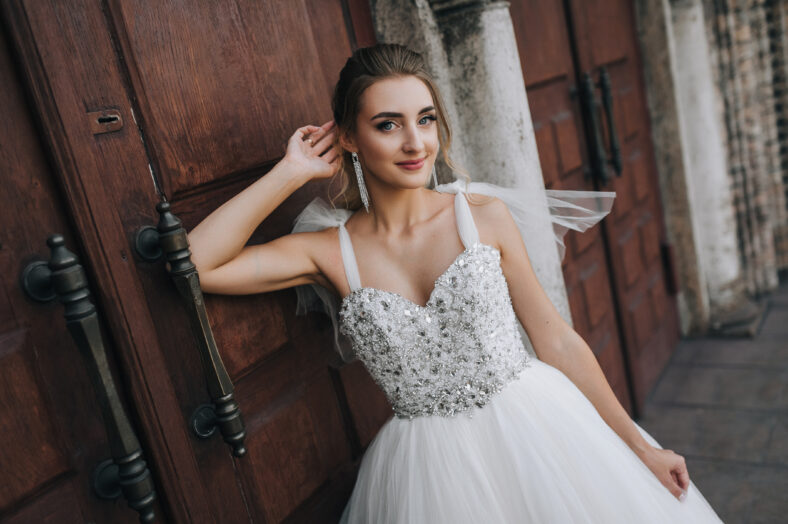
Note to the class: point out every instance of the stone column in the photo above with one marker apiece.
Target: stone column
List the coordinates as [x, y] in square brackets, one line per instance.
[485, 80]
[495, 119]
[737, 32]
[707, 169]
[670, 152]
[692, 159]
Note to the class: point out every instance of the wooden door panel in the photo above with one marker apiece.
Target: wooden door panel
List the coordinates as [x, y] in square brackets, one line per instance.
[541, 25]
[635, 225]
[603, 31]
[219, 85]
[49, 415]
[550, 76]
[298, 435]
[205, 114]
[24, 410]
[595, 34]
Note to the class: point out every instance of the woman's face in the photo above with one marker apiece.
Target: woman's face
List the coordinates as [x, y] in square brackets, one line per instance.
[397, 124]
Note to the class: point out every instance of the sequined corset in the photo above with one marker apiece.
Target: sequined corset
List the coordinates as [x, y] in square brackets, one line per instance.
[450, 355]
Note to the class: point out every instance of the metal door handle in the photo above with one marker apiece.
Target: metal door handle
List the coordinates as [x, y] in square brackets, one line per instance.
[126, 472]
[607, 102]
[169, 238]
[590, 108]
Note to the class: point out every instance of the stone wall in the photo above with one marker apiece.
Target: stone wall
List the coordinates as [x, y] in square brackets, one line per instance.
[743, 37]
[471, 50]
[777, 20]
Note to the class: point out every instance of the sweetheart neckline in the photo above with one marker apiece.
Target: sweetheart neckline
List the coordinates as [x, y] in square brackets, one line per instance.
[437, 281]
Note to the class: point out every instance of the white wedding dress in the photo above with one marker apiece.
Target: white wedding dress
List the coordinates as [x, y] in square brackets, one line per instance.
[483, 432]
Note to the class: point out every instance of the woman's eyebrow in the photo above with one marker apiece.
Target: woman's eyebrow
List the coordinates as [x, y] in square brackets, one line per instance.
[397, 115]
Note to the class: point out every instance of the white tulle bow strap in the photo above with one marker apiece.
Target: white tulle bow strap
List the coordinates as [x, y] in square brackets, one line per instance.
[316, 216]
[568, 209]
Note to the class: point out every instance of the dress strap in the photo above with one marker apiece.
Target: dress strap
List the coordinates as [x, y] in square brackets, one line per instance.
[465, 224]
[349, 259]
[465, 227]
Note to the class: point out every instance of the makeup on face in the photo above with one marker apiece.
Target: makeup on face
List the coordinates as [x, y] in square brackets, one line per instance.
[400, 134]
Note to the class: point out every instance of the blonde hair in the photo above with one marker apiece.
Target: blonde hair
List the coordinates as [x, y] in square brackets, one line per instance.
[366, 66]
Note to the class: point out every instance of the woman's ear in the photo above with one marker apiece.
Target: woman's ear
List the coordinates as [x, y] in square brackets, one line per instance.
[346, 142]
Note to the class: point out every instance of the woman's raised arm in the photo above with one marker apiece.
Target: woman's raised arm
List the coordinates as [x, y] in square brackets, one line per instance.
[217, 243]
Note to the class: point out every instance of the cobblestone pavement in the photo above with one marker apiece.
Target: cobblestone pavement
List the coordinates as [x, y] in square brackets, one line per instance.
[723, 405]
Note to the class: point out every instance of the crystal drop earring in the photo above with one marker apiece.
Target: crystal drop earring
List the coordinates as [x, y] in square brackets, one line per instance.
[362, 187]
[434, 177]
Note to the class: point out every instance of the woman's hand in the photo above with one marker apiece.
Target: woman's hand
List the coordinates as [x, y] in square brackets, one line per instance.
[670, 469]
[310, 150]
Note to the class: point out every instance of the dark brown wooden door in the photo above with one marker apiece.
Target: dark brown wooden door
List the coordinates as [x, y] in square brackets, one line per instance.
[206, 95]
[50, 419]
[614, 273]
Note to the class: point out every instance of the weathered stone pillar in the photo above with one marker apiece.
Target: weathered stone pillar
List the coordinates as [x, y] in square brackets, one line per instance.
[659, 52]
[484, 66]
[707, 168]
[738, 33]
[689, 140]
[490, 104]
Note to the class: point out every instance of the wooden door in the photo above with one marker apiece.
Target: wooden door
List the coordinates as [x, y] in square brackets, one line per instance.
[605, 36]
[201, 98]
[615, 274]
[50, 419]
[551, 80]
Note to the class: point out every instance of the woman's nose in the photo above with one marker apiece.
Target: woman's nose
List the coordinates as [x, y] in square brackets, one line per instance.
[413, 139]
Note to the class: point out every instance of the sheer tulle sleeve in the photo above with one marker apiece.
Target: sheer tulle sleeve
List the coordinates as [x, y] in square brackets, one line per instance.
[569, 209]
[316, 216]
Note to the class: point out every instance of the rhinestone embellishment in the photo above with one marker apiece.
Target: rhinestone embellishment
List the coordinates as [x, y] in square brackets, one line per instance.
[448, 356]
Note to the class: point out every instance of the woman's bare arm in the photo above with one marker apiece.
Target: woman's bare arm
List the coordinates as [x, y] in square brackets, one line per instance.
[558, 344]
[217, 243]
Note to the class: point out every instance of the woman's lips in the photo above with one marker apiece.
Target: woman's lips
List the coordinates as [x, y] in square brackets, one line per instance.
[412, 165]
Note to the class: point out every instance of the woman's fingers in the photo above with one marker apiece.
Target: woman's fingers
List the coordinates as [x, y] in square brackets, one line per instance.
[319, 131]
[680, 478]
[324, 143]
[330, 156]
[682, 475]
[302, 132]
[314, 139]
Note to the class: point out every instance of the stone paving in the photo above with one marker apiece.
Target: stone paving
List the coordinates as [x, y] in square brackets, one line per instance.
[723, 405]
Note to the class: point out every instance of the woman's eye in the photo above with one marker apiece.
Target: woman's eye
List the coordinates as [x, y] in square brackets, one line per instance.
[383, 126]
[429, 117]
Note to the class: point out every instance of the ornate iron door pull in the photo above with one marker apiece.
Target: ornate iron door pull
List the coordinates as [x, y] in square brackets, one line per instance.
[126, 472]
[170, 239]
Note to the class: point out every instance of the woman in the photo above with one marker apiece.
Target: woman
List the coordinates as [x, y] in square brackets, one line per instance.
[482, 432]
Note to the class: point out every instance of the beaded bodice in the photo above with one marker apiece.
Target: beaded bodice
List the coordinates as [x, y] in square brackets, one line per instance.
[450, 355]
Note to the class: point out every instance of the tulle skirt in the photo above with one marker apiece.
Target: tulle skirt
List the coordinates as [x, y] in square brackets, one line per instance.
[539, 452]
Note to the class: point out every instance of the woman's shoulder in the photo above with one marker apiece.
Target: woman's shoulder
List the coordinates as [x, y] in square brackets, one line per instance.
[486, 206]
[490, 215]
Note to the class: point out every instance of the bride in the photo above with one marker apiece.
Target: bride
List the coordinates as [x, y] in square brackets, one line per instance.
[426, 284]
